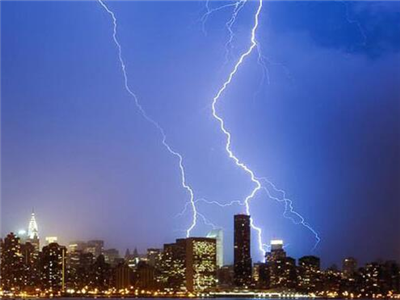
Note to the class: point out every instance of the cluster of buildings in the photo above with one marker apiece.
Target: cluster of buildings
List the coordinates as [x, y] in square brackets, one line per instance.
[189, 266]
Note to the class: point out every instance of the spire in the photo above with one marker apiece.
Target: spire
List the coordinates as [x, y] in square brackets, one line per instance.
[33, 231]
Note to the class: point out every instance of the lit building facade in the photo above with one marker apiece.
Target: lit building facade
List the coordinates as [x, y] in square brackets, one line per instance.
[282, 270]
[111, 256]
[79, 269]
[309, 274]
[173, 266]
[201, 264]
[154, 256]
[100, 274]
[12, 271]
[51, 239]
[31, 266]
[53, 267]
[95, 247]
[33, 232]
[189, 265]
[282, 273]
[76, 246]
[277, 251]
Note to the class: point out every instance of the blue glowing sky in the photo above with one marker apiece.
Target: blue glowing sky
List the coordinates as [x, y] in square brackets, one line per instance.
[324, 125]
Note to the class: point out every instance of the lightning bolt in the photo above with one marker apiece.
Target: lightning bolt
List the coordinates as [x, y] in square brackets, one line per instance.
[210, 11]
[207, 222]
[223, 205]
[227, 134]
[229, 44]
[238, 5]
[213, 202]
[161, 131]
[289, 210]
[356, 23]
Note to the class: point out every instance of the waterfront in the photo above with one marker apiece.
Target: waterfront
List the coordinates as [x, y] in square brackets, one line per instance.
[112, 195]
[236, 296]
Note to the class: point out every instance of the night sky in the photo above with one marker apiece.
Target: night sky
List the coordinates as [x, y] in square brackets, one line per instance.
[324, 125]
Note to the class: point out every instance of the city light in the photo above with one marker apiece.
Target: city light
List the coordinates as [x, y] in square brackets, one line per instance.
[188, 267]
[120, 115]
[276, 242]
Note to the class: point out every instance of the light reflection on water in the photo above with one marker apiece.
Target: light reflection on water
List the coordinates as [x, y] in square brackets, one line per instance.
[220, 298]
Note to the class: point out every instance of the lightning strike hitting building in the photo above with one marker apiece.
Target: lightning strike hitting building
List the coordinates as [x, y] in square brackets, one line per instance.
[227, 134]
[177, 155]
[254, 45]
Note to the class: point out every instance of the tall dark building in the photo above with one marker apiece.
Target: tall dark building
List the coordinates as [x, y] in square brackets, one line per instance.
[31, 266]
[100, 274]
[173, 266]
[309, 274]
[52, 264]
[123, 276]
[79, 269]
[242, 255]
[225, 276]
[349, 267]
[281, 271]
[12, 271]
[154, 256]
[145, 276]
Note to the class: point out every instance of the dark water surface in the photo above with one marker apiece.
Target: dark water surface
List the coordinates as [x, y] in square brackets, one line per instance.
[222, 298]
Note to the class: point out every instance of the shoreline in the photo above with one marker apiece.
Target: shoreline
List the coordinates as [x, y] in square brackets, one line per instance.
[185, 297]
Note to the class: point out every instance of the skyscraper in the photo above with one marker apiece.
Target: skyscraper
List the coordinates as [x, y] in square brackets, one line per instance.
[309, 274]
[277, 251]
[12, 272]
[100, 274]
[154, 257]
[349, 267]
[31, 266]
[281, 268]
[95, 247]
[201, 264]
[190, 264]
[218, 235]
[53, 267]
[33, 230]
[173, 266]
[123, 276]
[242, 255]
[111, 256]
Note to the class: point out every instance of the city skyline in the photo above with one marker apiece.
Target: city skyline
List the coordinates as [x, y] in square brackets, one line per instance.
[186, 267]
[240, 249]
[323, 125]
